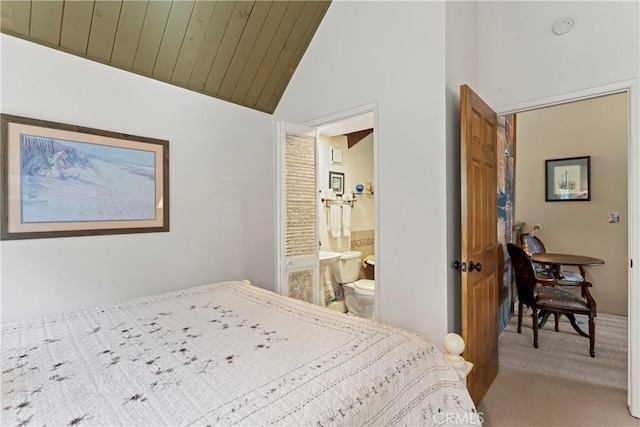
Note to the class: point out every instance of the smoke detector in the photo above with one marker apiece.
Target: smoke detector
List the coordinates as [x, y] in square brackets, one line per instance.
[563, 26]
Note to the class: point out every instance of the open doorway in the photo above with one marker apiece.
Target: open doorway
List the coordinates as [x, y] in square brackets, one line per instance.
[346, 213]
[343, 172]
[598, 128]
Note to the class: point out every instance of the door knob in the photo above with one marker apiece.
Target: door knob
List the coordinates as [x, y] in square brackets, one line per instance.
[462, 266]
[477, 267]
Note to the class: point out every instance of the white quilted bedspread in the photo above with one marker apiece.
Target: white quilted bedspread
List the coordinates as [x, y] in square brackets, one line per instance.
[223, 354]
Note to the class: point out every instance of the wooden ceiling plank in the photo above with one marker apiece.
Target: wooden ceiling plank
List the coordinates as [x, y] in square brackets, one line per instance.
[295, 38]
[237, 24]
[106, 15]
[297, 56]
[242, 55]
[243, 51]
[282, 34]
[46, 20]
[151, 36]
[128, 33]
[267, 33]
[179, 17]
[211, 44]
[76, 24]
[15, 17]
[196, 31]
[354, 137]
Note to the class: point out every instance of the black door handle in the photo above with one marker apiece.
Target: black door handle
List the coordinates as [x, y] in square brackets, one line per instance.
[462, 266]
[477, 267]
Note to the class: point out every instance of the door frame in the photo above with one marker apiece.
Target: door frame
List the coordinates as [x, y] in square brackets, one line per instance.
[344, 115]
[632, 88]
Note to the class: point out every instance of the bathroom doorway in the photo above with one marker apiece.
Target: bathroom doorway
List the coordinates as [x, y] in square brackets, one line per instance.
[346, 196]
[364, 226]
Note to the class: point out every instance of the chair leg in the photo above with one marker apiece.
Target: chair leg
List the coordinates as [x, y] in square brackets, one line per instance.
[557, 315]
[520, 308]
[535, 328]
[592, 336]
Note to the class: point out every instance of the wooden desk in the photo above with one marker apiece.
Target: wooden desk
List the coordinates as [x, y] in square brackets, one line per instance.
[558, 260]
[565, 259]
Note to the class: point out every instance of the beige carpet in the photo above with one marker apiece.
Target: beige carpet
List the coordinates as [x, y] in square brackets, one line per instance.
[565, 354]
[520, 399]
[558, 384]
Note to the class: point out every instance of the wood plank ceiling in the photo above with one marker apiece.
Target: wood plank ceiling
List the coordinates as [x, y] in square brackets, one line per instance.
[244, 52]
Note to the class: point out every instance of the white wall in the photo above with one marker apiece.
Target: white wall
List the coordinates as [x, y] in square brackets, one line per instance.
[221, 187]
[392, 54]
[462, 67]
[522, 60]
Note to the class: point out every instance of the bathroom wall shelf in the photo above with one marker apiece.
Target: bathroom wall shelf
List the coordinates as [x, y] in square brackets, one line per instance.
[329, 202]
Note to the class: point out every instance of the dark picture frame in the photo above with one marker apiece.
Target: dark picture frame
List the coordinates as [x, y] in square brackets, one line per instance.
[336, 182]
[568, 179]
[62, 180]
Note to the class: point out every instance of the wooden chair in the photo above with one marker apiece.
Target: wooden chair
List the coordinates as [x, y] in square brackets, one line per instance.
[533, 245]
[545, 298]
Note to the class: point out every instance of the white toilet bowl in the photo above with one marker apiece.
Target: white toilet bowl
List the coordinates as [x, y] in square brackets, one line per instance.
[359, 295]
[360, 298]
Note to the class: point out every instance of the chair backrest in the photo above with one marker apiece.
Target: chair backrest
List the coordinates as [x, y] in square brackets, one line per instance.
[532, 244]
[525, 274]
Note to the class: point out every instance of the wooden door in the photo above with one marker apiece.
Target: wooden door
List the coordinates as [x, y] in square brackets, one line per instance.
[479, 246]
[297, 213]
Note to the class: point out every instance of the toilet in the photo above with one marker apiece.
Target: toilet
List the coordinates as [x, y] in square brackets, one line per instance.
[359, 295]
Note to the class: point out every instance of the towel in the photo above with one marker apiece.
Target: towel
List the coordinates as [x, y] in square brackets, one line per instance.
[336, 224]
[346, 220]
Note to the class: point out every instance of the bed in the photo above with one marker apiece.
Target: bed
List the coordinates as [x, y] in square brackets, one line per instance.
[223, 354]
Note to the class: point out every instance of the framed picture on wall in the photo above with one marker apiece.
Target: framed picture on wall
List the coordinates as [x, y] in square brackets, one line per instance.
[61, 180]
[336, 182]
[568, 179]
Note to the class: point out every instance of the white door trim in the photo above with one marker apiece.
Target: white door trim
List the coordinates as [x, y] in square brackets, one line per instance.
[632, 88]
[336, 117]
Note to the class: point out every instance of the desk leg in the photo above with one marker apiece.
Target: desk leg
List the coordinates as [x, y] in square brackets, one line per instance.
[545, 316]
[572, 319]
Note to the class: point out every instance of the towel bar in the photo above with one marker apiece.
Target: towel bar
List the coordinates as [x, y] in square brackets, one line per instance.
[329, 202]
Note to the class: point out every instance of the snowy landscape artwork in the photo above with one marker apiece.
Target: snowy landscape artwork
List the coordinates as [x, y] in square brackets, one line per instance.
[78, 181]
[62, 180]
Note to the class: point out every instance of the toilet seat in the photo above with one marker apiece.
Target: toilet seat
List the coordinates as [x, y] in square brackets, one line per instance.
[365, 286]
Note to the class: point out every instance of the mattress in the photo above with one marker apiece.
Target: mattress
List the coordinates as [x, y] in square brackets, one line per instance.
[223, 354]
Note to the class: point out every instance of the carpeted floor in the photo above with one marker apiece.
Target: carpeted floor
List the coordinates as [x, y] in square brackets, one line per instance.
[521, 399]
[558, 384]
[565, 354]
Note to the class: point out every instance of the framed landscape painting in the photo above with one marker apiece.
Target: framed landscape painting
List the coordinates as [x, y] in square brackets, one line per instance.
[61, 180]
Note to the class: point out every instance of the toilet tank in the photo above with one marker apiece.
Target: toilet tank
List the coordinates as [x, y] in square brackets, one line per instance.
[347, 268]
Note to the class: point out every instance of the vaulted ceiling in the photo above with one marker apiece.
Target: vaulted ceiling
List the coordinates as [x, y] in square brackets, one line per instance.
[244, 52]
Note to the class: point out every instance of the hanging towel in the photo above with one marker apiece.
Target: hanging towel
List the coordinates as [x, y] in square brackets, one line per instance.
[346, 220]
[336, 223]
